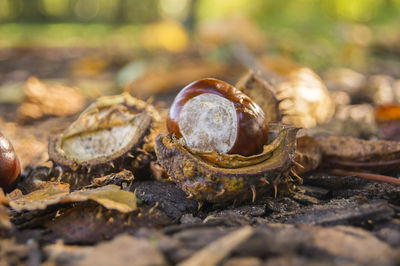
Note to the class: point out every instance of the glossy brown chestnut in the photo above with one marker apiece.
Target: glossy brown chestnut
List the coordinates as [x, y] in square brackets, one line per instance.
[9, 164]
[212, 115]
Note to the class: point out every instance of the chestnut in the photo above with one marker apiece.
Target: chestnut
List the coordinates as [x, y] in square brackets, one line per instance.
[212, 115]
[9, 164]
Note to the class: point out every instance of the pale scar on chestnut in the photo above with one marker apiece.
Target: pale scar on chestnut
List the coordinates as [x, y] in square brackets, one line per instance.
[212, 115]
[208, 122]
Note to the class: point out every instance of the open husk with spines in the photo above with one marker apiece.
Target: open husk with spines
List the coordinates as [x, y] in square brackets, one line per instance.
[262, 94]
[107, 137]
[214, 177]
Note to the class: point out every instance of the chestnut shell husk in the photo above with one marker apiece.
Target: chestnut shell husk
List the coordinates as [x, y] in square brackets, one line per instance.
[115, 111]
[262, 93]
[220, 178]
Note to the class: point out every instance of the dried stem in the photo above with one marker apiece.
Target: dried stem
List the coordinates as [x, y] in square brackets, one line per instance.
[373, 177]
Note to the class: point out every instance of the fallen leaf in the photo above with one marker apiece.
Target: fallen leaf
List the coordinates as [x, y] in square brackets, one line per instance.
[43, 99]
[110, 196]
[59, 253]
[347, 127]
[124, 250]
[351, 242]
[125, 176]
[353, 153]
[89, 223]
[38, 199]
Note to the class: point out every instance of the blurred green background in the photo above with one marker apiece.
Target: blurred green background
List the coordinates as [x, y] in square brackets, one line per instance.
[318, 33]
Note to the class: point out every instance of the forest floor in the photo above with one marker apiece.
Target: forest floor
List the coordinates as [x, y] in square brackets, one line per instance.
[327, 220]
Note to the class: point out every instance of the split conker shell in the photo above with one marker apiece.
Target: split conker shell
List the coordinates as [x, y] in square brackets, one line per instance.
[106, 138]
[212, 115]
[213, 177]
[262, 93]
[9, 164]
[304, 99]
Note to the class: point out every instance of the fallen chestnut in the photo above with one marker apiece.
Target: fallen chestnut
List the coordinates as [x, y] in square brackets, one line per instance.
[9, 164]
[214, 177]
[212, 115]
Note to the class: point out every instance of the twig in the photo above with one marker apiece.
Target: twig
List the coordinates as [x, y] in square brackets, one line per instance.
[219, 249]
[373, 177]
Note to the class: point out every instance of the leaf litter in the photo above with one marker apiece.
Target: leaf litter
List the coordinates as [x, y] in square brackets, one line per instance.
[109, 196]
[165, 227]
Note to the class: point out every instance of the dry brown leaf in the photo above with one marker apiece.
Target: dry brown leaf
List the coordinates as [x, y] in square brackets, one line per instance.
[42, 99]
[353, 153]
[110, 196]
[124, 250]
[38, 199]
[351, 242]
[125, 176]
[59, 253]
